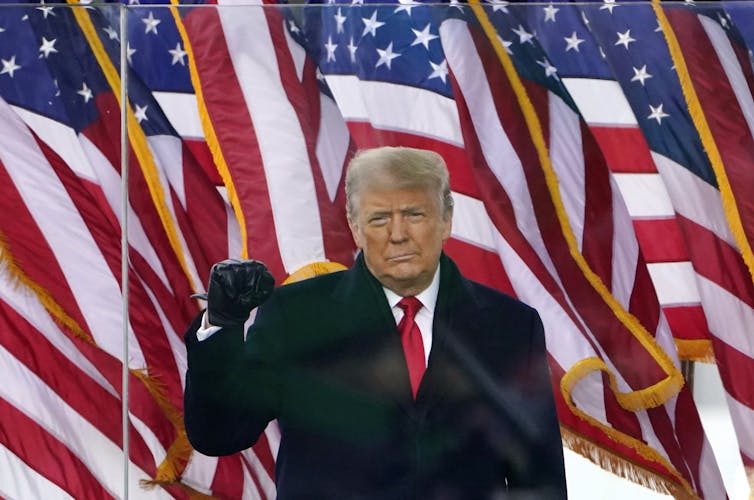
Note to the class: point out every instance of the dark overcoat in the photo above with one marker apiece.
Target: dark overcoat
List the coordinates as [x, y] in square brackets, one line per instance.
[324, 358]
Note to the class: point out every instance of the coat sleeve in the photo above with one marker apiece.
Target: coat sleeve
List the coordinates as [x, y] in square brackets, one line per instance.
[546, 472]
[233, 385]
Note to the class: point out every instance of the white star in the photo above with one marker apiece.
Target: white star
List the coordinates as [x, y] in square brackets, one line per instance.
[506, 44]
[550, 12]
[523, 35]
[640, 74]
[9, 66]
[609, 5]
[46, 11]
[386, 56]
[151, 23]
[439, 70]
[339, 20]
[657, 114]
[178, 54]
[111, 33]
[352, 49]
[405, 5]
[2, 29]
[499, 5]
[371, 24]
[659, 27]
[573, 42]
[624, 39]
[141, 113]
[457, 4]
[85, 92]
[353, 2]
[133, 2]
[330, 49]
[292, 26]
[47, 47]
[723, 21]
[129, 52]
[423, 37]
[550, 70]
[584, 18]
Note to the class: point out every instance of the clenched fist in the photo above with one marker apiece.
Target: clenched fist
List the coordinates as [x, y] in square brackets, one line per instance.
[235, 288]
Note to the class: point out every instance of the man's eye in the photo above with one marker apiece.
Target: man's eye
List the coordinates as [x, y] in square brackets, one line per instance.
[378, 221]
[416, 216]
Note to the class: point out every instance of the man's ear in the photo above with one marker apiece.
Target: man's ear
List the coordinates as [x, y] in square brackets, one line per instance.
[354, 227]
[447, 226]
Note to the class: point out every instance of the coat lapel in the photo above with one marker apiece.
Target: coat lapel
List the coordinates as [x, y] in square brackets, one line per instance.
[371, 318]
[456, 318]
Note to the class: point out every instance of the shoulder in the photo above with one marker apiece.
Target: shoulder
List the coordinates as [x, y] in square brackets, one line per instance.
[318, 287]
[484, 296]
[495, 298]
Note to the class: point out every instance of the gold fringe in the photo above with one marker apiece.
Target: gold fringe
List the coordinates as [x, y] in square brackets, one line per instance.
[750, 478]
[652, 396]
[642, 449]
[136, 136]
[708, 141]
[179, 452]
[661, 391]
[192, 493]
[621, 467]
[695, 350]
[21, 279]
[209, 131]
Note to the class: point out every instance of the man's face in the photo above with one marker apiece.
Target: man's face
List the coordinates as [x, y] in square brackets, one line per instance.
[401, 232]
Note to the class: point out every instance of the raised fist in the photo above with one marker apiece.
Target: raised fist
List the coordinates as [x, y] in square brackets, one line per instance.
[235, 288]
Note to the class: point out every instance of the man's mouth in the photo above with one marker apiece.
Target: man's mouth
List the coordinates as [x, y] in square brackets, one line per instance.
[402, 257]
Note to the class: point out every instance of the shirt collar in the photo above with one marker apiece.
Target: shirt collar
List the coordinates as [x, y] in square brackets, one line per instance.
[428, 297]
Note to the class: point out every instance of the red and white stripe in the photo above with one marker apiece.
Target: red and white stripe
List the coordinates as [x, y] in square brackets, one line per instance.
[722, 77]
[610, 118]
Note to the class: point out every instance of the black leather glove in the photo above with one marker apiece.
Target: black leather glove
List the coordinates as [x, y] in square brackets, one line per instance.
[235, 288]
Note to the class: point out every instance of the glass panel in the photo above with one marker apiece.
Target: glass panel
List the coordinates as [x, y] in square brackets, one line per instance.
[593, 177]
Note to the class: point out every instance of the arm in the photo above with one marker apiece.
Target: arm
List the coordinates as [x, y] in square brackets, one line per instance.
[231, 384]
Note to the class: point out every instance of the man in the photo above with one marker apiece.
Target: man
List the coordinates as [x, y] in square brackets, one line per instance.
[444, 395]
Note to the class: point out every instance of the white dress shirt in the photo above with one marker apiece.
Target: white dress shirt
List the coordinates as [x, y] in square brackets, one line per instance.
[425, 316]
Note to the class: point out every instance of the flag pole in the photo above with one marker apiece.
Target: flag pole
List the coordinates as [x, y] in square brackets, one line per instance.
[124, 237]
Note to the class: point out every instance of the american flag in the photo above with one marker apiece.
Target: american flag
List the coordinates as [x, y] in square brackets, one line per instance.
[243, 118]
[61, 234]
[630, 61]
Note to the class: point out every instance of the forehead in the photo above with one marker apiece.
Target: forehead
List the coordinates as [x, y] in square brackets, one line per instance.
[378, 198]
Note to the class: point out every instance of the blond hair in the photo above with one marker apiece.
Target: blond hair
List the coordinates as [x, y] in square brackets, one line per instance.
[403, 168]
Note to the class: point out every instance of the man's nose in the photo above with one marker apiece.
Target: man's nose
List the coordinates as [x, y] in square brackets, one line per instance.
[398, 229]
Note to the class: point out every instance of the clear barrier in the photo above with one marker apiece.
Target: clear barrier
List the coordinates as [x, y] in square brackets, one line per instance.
[600, 168]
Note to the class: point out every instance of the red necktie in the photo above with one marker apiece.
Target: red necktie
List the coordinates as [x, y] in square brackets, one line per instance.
[411, 338]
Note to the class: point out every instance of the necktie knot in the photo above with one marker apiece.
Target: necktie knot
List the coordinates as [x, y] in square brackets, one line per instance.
[410, 306]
